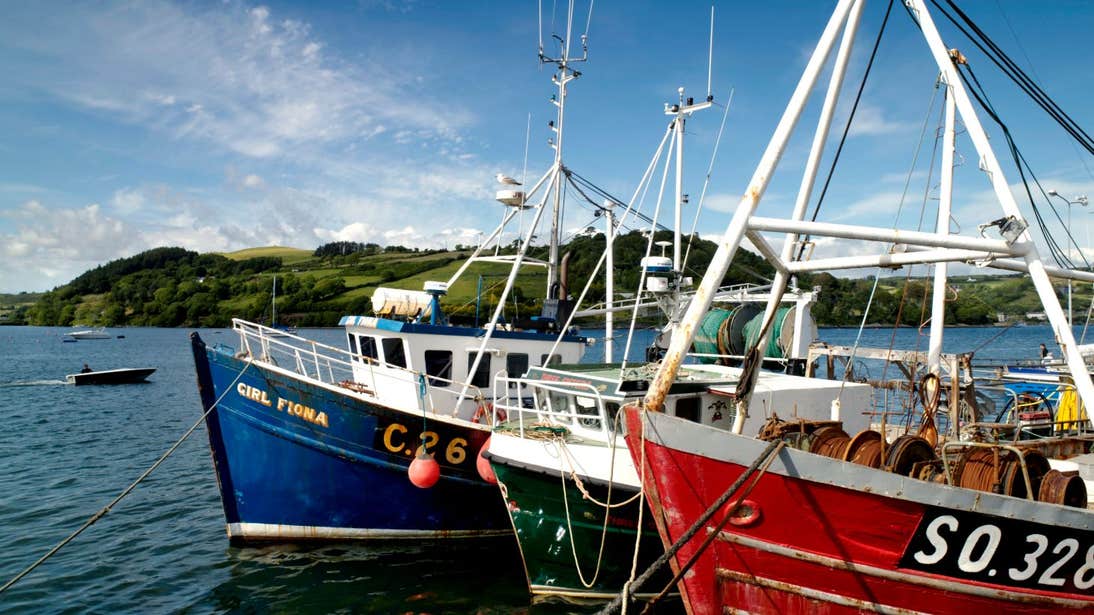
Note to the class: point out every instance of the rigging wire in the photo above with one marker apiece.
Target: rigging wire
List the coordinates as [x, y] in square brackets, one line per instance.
[578, 179]
[993, 52]
[706, 181]
[1059, 255]
[1033, 70]
[588, 22]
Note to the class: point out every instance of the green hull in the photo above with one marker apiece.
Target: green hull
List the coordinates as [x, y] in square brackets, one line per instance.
[539, 516]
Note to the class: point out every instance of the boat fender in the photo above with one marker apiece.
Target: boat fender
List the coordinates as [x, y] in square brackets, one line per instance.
[747, 514]
[424, 471]
[482, 464]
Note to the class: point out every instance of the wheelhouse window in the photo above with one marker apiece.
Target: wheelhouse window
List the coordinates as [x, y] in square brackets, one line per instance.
[438, 363]
[481, 378]
[352, 343]
[688, 408]
[394, 351]
[368, 347]
[559, 406]
[516, 365]
[586, 407]
[553, 359]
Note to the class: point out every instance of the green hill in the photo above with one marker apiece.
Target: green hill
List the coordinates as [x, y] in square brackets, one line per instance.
[172, 287]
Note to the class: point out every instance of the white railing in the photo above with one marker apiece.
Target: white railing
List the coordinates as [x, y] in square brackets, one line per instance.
[390, 384]
[543, 411]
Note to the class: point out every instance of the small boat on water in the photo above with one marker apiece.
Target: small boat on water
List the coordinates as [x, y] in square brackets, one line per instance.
[125, 375]
[89, 334]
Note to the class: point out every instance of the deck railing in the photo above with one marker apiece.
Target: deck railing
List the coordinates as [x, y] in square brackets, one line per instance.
[339, 367]
[595, 421]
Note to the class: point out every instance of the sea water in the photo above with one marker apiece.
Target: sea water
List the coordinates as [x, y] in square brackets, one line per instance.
[67, 451]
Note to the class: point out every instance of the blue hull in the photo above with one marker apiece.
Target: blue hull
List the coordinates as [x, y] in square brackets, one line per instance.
[297, 461]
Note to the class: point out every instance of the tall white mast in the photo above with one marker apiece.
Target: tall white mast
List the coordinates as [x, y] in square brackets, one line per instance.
[945, 198]
[564, 74]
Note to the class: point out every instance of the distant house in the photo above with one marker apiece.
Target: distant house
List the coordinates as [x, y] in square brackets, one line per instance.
[1036, 316]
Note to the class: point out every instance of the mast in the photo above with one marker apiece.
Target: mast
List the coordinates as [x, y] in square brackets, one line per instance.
[609, 279]
[564, 75]
[1016, 240]
[945, 199]
[727, 247]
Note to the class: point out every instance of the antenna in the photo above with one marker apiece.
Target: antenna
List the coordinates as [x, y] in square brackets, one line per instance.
[527, 136]
[539, 6]
[710, 53]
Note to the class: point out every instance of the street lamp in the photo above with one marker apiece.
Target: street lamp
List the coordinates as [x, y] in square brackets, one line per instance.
[1081, 200]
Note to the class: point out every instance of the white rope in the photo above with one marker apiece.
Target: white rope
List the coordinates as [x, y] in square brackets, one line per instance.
[641, 510]
[570, 532]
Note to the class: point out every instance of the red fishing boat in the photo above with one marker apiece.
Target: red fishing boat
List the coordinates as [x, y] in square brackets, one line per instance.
[961, 516]
[817, 534]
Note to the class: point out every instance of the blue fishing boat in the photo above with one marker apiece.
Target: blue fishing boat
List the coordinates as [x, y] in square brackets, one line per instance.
[381, 439]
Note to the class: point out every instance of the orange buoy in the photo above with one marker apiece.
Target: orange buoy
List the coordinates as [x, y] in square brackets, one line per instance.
[482, 464]
[424, 471]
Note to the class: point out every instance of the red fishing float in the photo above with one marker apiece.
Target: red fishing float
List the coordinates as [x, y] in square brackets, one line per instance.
[483, 465]
[424, 471]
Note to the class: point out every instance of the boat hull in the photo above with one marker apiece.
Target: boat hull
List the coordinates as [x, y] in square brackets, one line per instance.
[112, 376]
[297, 459]
[823, 535]
[553, 531]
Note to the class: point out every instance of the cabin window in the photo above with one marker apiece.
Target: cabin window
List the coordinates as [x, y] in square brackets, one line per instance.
[611, 409]
[516, 365]
[559, 404]
[368, 347]
[688, 408]
[553, 359]
[394, 353]
[586, 406]
[352, 343]
[481, 378]
[439, 363]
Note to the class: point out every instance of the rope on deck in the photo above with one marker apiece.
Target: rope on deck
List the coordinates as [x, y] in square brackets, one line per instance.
[102, 513]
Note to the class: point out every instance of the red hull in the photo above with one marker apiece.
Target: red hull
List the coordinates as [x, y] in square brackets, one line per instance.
[817, 546]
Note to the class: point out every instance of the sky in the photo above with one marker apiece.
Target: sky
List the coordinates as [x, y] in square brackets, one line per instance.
[218, 126]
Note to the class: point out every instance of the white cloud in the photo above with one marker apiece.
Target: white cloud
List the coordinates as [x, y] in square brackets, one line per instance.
[724, 203]
[249, 81]
[870, 120]
[128, 200]
[252, 181]
[49, 247]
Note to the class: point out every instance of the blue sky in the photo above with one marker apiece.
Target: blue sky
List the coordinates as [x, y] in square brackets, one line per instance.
[218, 126]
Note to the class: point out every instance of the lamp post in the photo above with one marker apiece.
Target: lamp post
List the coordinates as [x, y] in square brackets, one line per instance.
[1081, 200]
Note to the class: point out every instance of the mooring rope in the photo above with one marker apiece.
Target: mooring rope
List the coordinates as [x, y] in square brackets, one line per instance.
[770, 452]
[102, 513]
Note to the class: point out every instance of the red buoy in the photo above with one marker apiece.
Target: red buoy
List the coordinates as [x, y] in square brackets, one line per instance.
[424, 471]
[483, 465]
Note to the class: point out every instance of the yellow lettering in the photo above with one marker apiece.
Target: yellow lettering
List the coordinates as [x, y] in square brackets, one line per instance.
[391, 429]
[252, 393]
[322, 419]
[429, 440]
[281, 403]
